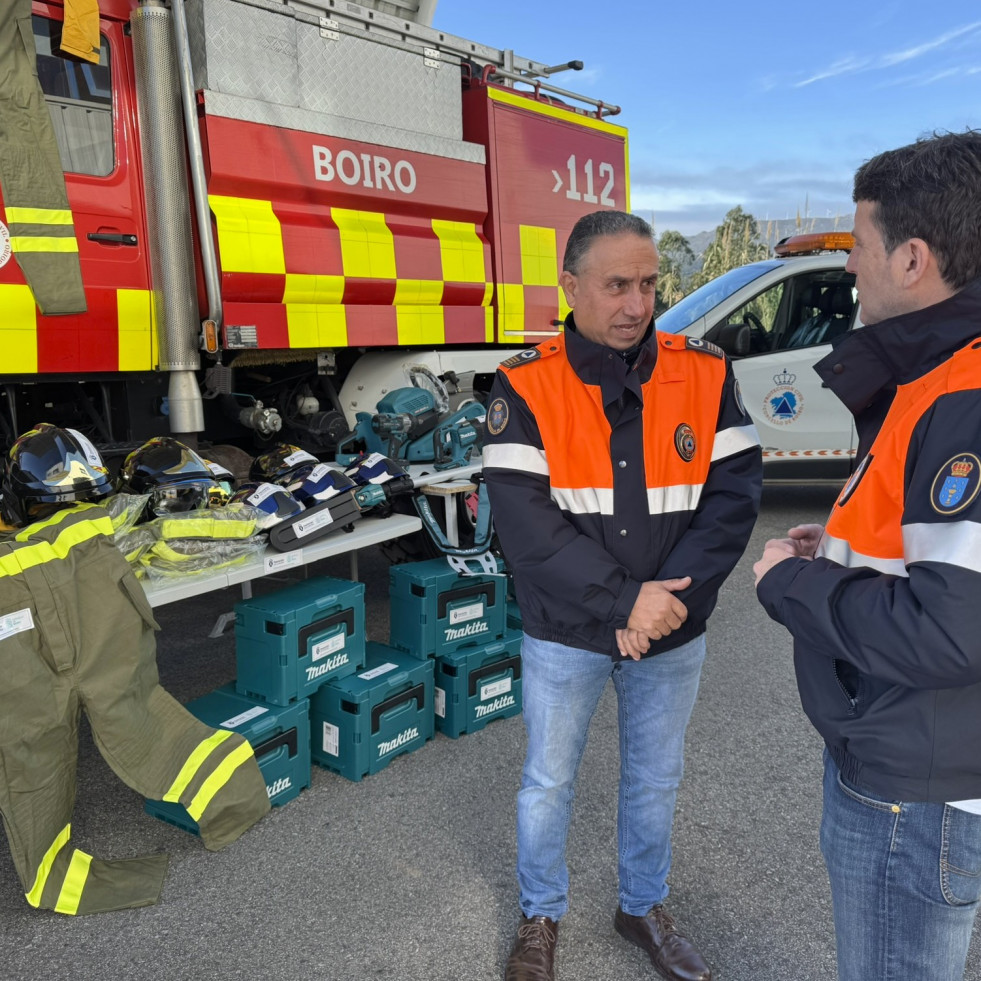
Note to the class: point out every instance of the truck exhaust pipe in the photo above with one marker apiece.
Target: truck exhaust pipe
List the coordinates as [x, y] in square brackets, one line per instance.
[168, 212]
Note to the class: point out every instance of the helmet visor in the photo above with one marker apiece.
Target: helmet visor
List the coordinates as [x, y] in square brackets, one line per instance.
[186, 495]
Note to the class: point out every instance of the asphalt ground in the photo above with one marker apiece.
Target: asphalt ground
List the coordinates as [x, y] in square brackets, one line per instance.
[409, 873]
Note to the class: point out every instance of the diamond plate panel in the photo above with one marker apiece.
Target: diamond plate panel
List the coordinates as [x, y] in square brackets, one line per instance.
[378, 83]
[248, 51]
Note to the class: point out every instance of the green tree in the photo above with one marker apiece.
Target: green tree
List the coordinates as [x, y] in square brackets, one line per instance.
[737, 241]
[677, 258]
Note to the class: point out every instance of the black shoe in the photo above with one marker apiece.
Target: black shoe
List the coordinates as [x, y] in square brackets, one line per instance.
[673, 955]
[533, 954]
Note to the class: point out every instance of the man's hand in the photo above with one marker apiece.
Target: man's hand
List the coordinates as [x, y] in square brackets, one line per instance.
[656, 613]
[807, 538]
[801, 543]
[633, 643]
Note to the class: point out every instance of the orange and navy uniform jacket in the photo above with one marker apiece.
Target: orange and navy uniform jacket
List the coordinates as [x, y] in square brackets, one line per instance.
[887, 617]
[604, 474]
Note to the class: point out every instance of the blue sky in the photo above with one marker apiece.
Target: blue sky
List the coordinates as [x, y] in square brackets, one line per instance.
[766, 105]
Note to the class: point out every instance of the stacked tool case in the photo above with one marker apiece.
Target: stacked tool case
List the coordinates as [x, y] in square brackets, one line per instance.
[362, 722]
[287, 645]
[462, 623]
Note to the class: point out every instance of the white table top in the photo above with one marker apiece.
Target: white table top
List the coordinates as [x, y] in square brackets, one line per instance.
[366, 531]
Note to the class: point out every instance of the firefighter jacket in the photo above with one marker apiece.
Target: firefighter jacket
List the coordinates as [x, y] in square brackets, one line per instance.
[42, 233]
[604, 474]
[887, 618]
[77, 633]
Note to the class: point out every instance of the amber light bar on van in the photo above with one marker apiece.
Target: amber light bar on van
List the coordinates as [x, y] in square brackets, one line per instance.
[815, 242]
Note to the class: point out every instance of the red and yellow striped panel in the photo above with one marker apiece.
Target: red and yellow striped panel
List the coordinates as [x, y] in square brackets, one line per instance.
[548, 166]
[117, 333]
[310, 277]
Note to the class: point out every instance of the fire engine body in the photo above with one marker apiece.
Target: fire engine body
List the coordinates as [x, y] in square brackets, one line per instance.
[282, 208]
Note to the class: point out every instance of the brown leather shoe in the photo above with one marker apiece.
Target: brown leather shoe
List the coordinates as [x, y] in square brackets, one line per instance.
[533, 954]
[673, 955]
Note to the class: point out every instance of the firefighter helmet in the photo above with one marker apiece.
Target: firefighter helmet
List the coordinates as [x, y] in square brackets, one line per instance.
[321, 483]
[50, 465]
[272, 502]
[174, 476]
[281, 464]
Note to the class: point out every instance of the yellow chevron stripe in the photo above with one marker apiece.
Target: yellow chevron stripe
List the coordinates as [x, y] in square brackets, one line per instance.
[44, 869]
[420, 324]
[250, 237]
[461, 251]
[193, 763]
[136, 330]
[511, 307]
[420, 292]
[539, 256]
[18, 329]
[367, 244]
[71, 889]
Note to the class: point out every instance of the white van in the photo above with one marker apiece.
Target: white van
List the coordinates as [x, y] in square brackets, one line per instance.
[776, 319]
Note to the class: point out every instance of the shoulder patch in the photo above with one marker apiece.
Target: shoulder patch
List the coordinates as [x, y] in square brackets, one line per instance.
[706, 347]
[956, 484]
[497, 417]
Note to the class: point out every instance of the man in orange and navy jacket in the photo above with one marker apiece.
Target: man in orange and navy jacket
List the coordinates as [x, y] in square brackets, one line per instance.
[884, 603]
[624, 476]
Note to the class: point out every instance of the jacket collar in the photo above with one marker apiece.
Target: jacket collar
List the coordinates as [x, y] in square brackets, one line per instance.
[866, 363]
[597, 364]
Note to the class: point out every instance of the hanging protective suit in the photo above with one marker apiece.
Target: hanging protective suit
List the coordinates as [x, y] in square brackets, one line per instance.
[42, 233]
[77, 632]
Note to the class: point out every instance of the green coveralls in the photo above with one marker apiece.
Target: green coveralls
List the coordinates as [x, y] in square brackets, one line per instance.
[42, 233]
[77, 632]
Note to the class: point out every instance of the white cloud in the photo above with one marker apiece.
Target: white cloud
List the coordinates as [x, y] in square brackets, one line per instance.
[900, 56]
[853, 64]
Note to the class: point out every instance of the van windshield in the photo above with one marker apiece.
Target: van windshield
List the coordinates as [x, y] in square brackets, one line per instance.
[686, 311]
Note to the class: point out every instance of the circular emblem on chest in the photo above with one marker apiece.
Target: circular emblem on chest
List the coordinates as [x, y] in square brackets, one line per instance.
[956, 484]
[497, 417]
[684, 442]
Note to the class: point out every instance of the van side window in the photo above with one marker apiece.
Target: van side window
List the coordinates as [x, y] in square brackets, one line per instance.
[79, 98]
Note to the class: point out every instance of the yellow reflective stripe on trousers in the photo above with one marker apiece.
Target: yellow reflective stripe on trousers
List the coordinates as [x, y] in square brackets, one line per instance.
[218, 779]
[22, 559]
[44, 869]
[71, 889]
[203, 750]
[25, 243]
[39, 216]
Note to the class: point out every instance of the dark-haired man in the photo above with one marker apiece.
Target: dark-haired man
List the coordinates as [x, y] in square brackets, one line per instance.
[885, 601]
[624, 476]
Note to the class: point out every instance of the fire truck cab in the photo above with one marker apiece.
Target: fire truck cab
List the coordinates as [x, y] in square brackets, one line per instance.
[261, 194]
[776, 319]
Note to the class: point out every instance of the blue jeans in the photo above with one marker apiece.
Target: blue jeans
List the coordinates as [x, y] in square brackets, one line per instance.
[560, 690]
[905, 883]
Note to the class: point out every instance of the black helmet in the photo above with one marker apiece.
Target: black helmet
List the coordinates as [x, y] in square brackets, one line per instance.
[280, 464]
[49, 465]
[174, 476]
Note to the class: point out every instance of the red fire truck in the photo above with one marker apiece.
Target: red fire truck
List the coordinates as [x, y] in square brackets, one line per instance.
[283, 210]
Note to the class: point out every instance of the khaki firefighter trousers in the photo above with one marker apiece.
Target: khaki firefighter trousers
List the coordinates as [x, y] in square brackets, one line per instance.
[77, 634]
